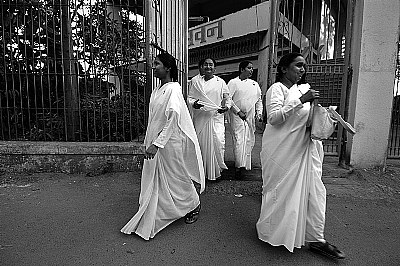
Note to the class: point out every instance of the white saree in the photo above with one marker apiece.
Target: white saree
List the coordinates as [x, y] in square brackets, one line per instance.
[293, 197]
[246, 97]
[167, 191]
[209, 124]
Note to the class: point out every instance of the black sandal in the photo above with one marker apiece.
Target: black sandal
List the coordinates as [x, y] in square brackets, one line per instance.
[192, 216]
[327, 250]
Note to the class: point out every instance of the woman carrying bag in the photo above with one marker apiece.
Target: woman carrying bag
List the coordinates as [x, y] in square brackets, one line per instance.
[293, 197]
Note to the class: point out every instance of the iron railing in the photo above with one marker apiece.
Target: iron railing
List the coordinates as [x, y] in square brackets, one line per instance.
[80, 70]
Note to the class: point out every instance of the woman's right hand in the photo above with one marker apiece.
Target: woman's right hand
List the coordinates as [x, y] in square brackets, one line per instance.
[309, 96]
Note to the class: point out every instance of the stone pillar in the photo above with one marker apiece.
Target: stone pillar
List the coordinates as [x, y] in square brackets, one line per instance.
[373, 55]
[264, 65]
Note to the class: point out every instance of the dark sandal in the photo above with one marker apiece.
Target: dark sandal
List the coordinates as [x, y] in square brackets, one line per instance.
[192, 216]
[327, 250]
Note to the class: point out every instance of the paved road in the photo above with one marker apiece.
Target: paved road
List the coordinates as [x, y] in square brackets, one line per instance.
[60, 219]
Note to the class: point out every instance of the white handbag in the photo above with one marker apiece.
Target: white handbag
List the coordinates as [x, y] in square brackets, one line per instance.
[322, 123]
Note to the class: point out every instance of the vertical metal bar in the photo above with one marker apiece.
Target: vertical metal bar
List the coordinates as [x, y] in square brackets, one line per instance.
[12, 108]
[149, 82]
[67, 67]
[171, 23]
[21, 97]
[57, 9]
[7, 89]
[337, 31]
[33, 74]
[78, 113]
[329, 66]
[331, 75]
[272, 38]
[25, 65]
[344, 155]
[284, 4]
[85, 125]
[117, 45]
[293, 27]
[185, 48]
[93, 75]
[10, 92]
[97, 82]
[302, 25]
[159, 28]
[107, 73]
[136, 89]
[62, 11]
[3, 36]
[121, 65]
[47, 65]
[40, 62]
[130, 94]
[311, 39]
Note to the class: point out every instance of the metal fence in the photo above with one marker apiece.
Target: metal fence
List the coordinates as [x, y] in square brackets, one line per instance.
[167, 27]
[316, 29]
[394, 136]
[80, 70]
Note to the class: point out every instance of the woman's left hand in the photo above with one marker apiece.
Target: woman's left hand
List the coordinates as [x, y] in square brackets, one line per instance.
[151, 152]
[242, 115]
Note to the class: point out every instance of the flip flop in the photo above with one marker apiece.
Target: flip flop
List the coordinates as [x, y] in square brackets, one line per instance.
[327, 250]
[192, 216]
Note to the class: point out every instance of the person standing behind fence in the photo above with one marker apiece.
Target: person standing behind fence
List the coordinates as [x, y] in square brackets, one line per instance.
[172, 158]
[209, 98]
[293, 196]
[246, 108]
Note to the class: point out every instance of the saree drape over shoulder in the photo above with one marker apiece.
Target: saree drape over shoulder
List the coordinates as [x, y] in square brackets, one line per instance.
[293, 197]
[209, 124]
[167, 191]
[246, 97]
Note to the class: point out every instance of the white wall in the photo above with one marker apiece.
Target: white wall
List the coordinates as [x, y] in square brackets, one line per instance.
[373, 55]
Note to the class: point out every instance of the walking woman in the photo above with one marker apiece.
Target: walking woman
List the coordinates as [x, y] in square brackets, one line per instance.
[293, 196]
[172, 158]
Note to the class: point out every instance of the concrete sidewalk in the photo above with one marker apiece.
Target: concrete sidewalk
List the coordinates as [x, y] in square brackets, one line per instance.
[74, 219]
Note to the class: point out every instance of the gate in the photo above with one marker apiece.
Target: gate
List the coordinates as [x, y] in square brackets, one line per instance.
[80, 70]
[317, 30]
[394, 136]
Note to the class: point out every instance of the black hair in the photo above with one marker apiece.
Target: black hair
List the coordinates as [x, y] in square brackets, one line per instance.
[169, 61]
[243, 65]
[284, 62]
[212, 59]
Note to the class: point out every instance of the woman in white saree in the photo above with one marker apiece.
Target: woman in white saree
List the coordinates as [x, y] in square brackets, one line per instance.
[172, 158]
[293, 196]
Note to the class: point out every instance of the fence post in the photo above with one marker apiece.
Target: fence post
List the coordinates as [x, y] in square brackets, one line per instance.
[71, 97]
[344, 154]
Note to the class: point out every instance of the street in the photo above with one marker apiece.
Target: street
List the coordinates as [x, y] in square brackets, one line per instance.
[74, 219]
